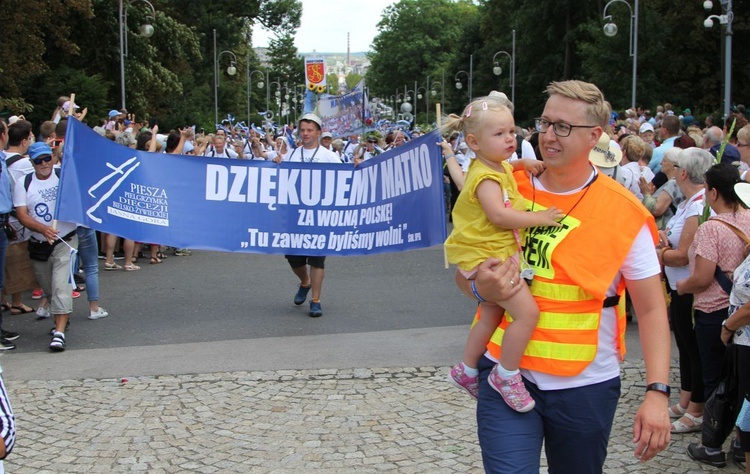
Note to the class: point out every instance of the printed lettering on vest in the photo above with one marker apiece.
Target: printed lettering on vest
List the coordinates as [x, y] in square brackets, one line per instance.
[540, 243]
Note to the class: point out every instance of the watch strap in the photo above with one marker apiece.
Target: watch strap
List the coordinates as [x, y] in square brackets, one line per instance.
[659, 387]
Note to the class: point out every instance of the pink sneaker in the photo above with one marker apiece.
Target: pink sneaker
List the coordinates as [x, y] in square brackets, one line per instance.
[75, 294]
[37, 294]
[512, 390]
[458, 377]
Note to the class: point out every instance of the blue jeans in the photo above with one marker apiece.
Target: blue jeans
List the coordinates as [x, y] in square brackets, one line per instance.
[573, 423]
[88, 252]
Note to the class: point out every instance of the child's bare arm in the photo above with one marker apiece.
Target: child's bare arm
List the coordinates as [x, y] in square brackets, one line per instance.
[490, 195]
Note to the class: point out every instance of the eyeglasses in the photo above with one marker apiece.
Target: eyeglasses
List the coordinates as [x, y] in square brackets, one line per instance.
[561, 129]
[372, 141]
[45, 159]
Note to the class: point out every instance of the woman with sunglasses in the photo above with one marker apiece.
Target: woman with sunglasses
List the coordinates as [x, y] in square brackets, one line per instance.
[35, 200]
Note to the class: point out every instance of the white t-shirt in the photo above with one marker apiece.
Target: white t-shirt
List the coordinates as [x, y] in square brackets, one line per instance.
[686, 209]
[228, 153]
[463, 161]
[640, 263]
[40, 201]
[20, 168]
[319, 154]
[631, 174]
[527, 151]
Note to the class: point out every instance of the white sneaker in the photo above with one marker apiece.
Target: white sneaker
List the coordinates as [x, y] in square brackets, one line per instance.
[99, 313]
[43, 313]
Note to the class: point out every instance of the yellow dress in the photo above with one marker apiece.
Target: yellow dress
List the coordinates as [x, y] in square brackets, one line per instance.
[474, 238]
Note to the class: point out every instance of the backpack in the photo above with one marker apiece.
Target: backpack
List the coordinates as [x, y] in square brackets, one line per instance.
[14, 159]
[28, 177]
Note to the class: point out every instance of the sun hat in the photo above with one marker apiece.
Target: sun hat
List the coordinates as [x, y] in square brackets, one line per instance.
[742, 189]
[312, 118]
[38, 149]
[606, 153]
[646, 127]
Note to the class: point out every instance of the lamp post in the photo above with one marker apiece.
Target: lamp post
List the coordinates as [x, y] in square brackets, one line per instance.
[277, 94]
[726, 20]
[260, 85]
[469, 75]
[231, 70]
[433, 92]
[497, 70]
[146, 30]
[422, 94]
[610, 29]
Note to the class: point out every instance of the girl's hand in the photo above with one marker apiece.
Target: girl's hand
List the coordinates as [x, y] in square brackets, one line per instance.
[534, 167]
[550, 217]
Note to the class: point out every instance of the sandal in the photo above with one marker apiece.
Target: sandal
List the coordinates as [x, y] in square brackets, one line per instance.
[20, 309]
[161, 255]
[4, 307]
[112, 266]
[680, 427]
[676, 411]
[155, 260]
[131, 268]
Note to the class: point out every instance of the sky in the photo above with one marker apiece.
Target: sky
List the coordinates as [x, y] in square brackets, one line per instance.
[325, 23]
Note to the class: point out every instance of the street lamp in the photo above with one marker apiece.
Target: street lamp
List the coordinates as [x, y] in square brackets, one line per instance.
[610, 29]
[497, 70]
[433, 92]
[277, 95]
[422, 94]
[146, 30]
[469, 75]
[260, 85]
[231, 70]
[726, 20]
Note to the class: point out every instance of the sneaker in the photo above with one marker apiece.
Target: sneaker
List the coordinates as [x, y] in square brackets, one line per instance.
[6, 345]
[301, 295]
[697, 452]
[9, 335]
[458, 377]
[182, 252]
[118, 256]
[37, 294]
[315, 310]
[43, 313]
[99, 313]
[512, 390]
[76, 294]
[101, 256]
[58, 342]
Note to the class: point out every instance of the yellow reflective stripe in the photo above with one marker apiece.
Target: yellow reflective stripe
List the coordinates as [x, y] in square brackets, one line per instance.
[559, 292]
[552, 350]
[567, 321]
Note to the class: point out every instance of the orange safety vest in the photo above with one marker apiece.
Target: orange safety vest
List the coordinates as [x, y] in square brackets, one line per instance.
[574, 266]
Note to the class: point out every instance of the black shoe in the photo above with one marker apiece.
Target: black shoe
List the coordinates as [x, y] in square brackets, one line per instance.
[697, 452]
[6, 345]
[9, 335]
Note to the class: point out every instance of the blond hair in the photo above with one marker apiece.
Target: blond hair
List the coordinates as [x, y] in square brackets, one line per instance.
[471, 119]
[597, 109]
[634, 147]
[743, 134]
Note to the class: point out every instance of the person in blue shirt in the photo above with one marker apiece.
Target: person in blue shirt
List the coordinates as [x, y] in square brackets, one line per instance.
[6, 205]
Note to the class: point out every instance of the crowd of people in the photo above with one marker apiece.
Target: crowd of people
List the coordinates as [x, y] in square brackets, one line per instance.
[543, 356]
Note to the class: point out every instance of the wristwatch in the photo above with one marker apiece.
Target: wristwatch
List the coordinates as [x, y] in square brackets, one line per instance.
[659, 387]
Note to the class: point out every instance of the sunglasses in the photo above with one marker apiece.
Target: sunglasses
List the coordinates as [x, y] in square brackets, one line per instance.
[45, 159]
[372, 141]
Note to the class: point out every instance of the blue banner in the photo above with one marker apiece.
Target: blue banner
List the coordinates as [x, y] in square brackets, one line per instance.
[391, 203]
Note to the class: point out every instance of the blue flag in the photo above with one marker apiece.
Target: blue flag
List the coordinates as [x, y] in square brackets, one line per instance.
[390, 203]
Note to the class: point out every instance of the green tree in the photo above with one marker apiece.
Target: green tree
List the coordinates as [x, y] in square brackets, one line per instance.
[416, 39]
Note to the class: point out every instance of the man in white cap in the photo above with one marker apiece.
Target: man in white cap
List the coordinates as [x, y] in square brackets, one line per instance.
[311, 151]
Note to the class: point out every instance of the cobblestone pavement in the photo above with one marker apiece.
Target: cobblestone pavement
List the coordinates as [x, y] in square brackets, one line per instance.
[404, 420]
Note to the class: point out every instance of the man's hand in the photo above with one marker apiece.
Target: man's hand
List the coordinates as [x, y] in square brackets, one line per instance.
[495, 281]
[651, 428]
[50, 233]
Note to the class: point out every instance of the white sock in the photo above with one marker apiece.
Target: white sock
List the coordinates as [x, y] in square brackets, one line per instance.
[505, 373]
[470, 371]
